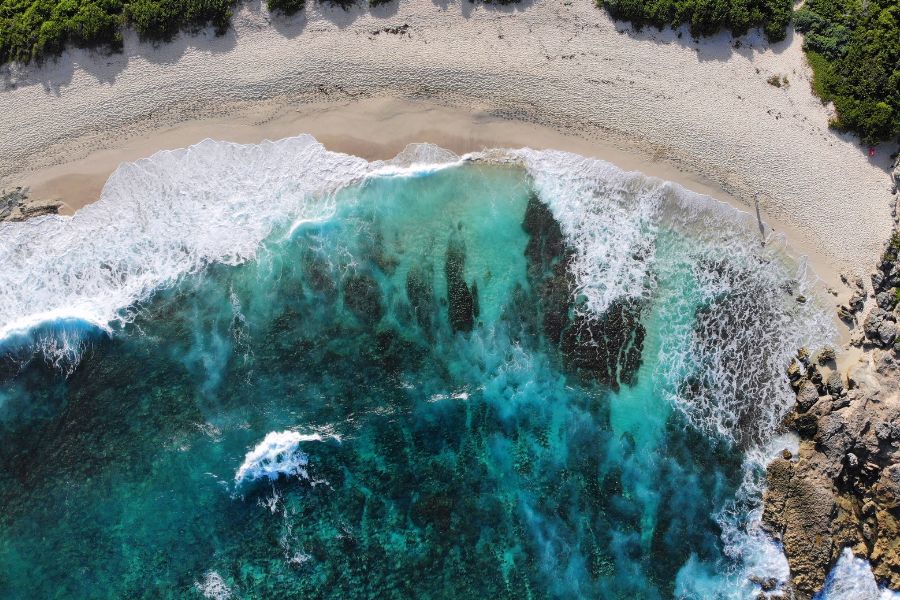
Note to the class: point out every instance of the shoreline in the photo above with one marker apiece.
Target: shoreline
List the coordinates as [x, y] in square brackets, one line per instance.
[375, 128]
[378, 129]
[697, 112]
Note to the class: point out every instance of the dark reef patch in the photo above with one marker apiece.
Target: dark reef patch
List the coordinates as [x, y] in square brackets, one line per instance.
[461, 299]
[605, 348]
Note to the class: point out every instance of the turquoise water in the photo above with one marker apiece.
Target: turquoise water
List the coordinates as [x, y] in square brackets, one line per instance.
[448, 419]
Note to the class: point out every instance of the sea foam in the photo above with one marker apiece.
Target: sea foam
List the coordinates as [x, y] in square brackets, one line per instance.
[729, 342]
[278, 455]
[162, 218]
[157, 220]
[166, 217]
[729, 380]
[852, 579]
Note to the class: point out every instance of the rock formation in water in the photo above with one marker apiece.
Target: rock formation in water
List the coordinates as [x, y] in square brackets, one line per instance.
[461, 299]
[362, 296]
[605, 348]
[842, 490]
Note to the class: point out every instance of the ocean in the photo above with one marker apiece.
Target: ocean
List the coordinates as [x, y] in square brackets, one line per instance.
[270, 371]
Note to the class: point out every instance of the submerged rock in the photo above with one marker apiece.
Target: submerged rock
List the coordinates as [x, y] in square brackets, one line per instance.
[546, 244]
[605, 348]
[420, 293]
[317, 273]
[363, 297]
[460, 298]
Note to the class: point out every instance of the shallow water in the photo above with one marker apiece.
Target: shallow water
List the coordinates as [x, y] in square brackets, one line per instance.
[468, 381]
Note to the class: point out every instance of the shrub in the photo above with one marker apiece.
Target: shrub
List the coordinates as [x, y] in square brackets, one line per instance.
[706, 17]
[35, 29]
[161, 20]
[854, 51]
[286, 7]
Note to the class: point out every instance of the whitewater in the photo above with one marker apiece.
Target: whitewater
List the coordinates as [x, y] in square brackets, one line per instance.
[717, 358]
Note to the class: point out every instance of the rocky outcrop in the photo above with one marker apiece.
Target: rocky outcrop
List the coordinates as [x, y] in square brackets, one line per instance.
[880, 326]
[17, 206]
[842, 490]
[843, 487]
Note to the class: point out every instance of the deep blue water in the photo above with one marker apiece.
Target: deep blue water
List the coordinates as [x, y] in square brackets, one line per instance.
[449, 416]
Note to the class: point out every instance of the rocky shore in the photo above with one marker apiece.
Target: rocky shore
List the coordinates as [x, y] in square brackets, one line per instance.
[842, 489]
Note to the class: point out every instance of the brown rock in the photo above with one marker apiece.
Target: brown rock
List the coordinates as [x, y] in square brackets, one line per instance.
[799, 504]
[887, 490]
[885, 555]
[778, 479]
[807, 395]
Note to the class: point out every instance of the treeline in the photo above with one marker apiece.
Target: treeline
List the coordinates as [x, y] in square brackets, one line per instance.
[706, 17]
[36, 29]
[854, 49]
[852, 45]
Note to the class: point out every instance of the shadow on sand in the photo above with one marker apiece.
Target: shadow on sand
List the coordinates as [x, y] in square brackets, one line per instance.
[57, 73]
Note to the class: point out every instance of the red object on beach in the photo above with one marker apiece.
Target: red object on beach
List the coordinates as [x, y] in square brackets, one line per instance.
[871, 150]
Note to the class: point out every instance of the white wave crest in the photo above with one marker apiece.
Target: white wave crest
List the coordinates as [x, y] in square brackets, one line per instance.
[157, 220]
[213, 587]
[726, 345]
[278, 455]
[170, 215]
[852, 579]
[729, 378]
[609, 218]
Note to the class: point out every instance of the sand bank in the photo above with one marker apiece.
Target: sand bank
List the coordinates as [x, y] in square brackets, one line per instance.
[372, 128]
[548, 74]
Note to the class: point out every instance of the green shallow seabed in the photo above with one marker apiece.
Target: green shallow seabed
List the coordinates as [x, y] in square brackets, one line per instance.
[471, 464]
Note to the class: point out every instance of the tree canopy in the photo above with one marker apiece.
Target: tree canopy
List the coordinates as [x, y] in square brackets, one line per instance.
[854, 49]
[706, 17]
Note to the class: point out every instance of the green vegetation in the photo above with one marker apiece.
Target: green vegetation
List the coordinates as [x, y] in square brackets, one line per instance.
[706, 17]
[778, 81]
[854, 50]
[162, 19]
[853, 46]
[892, 252]
[34, 29]
[286, 7]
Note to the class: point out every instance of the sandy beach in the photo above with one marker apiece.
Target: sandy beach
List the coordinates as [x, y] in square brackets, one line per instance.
[544, 75]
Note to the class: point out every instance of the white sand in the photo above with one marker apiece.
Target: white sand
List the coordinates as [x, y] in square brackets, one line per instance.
[702, 108]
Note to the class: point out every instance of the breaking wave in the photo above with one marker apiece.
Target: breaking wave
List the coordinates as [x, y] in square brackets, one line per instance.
[753, 306]
[162, 218]
[852, 579]
[173, 214]
[278, 455]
